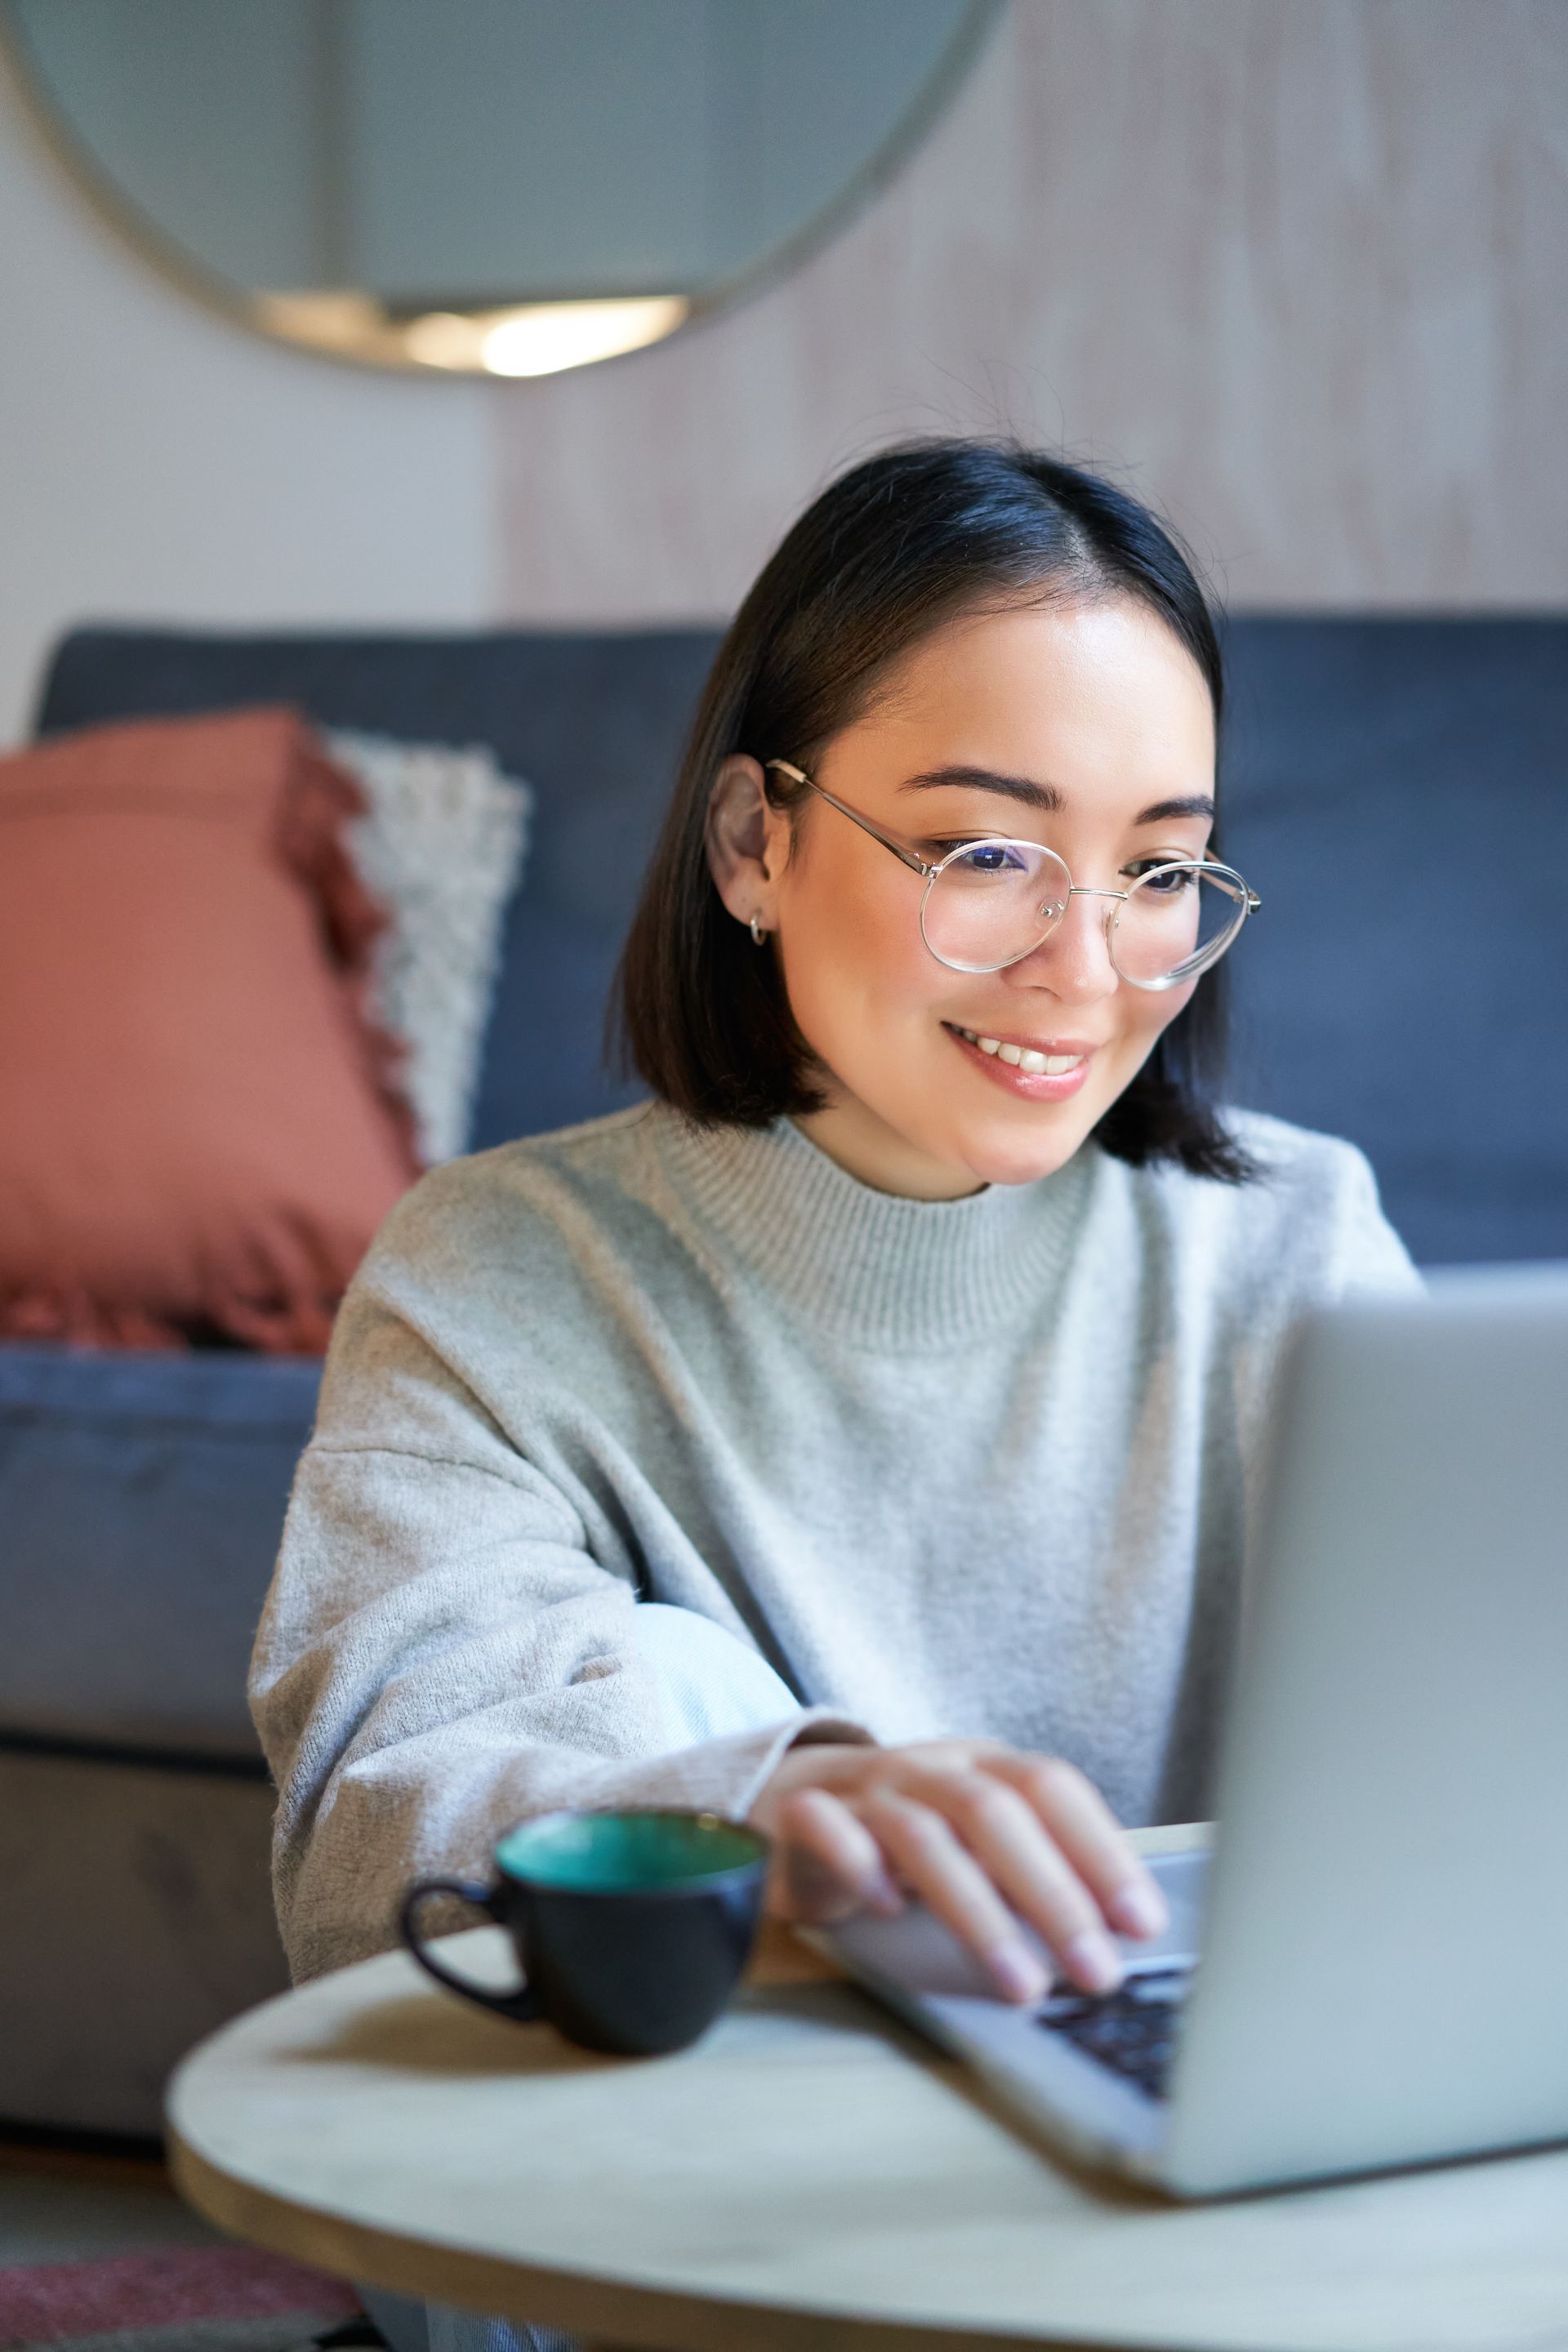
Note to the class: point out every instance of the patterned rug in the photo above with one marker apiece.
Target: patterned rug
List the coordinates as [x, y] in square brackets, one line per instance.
[175, 2299]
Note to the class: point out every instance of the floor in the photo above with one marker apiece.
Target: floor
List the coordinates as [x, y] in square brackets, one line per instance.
[61, 2204]
[85, 2203]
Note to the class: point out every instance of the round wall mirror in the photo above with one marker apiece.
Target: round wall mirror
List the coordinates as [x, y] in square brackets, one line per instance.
[484, 186]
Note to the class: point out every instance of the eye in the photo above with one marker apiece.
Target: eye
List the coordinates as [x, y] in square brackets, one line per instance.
[1170, 885]
[983, 857]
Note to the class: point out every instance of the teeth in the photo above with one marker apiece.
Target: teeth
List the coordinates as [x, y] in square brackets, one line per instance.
[1027, 1058]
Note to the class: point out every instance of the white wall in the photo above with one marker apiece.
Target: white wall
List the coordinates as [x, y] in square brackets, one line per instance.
[158, 464]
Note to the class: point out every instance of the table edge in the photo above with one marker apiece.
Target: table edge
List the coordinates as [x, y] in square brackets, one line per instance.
[611, 2312]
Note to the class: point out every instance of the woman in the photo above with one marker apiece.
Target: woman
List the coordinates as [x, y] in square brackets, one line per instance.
[861, 1437]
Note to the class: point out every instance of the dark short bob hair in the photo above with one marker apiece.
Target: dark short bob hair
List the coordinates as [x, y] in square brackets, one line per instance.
[889, 552]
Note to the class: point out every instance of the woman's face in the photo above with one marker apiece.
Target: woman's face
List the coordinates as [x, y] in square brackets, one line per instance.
[1087, 728]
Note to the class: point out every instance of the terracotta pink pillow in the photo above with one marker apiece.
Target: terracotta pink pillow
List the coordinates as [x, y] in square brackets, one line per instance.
[200, 1129]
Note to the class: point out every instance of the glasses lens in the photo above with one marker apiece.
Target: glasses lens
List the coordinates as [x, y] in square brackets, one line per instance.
[990, 902]
[1176, 922]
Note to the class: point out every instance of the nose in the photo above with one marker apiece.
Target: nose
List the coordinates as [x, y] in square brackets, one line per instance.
[1074, 962]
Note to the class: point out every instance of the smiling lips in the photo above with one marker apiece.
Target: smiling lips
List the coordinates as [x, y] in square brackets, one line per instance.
[1027, 1058]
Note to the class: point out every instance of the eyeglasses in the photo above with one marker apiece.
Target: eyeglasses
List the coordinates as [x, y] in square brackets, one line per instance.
[990, 903]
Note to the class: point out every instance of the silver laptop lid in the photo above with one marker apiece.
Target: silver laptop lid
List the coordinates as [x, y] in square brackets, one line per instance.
[1384, 1974]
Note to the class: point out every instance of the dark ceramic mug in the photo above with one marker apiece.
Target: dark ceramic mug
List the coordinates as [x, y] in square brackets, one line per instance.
[630, 1929]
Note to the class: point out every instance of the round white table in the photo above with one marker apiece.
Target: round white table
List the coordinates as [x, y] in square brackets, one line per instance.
[807, 2175]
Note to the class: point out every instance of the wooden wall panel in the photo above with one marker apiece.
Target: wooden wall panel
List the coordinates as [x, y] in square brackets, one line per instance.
[1295, 266]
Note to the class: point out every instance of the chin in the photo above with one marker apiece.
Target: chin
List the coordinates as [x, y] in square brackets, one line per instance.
[1019, 1158]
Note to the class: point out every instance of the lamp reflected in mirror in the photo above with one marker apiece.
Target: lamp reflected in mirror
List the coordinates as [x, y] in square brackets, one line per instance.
[525, 339]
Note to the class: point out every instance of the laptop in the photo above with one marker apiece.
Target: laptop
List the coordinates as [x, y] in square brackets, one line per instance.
[1370, 1965]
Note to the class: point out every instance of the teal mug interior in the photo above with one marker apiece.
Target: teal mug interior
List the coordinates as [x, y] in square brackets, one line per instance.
[626, 1854]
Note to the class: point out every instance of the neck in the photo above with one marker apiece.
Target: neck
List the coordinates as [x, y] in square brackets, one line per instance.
[866, 1148]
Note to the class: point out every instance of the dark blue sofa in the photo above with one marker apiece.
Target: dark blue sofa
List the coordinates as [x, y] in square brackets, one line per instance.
[1397, 791]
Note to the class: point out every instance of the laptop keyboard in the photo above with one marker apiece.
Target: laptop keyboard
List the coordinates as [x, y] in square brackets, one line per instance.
[1132, 2031]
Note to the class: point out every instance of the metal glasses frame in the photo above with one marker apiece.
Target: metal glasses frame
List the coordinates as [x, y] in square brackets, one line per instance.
[908, 855]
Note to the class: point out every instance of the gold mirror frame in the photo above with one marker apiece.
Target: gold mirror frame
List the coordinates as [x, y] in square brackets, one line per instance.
[524, 339]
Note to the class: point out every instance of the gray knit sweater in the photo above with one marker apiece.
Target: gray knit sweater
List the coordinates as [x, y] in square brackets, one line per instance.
[978, 1467]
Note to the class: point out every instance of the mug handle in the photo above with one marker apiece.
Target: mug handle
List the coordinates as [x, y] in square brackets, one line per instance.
[522, 2005]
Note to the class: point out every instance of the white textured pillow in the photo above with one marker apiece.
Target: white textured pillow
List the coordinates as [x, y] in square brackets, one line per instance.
[441, 847]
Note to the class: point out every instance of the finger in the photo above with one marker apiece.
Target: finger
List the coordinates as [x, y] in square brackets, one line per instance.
[828, 1864]
[1091, 1838]
[935, 1863]
[1007, 1838]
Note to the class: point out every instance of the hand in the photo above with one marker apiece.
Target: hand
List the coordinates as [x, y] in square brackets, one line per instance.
[984, 1834]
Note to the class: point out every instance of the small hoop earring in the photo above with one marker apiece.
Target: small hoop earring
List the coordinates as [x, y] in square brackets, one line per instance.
[755, 927]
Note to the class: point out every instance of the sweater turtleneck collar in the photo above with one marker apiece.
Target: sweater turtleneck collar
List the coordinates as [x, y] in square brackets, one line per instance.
[887, 1271]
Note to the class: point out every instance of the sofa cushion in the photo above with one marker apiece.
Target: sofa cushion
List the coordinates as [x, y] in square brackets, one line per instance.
[143, 1499]
[595, 721]
[1397, 792]
[201, 1130]
[439, 846]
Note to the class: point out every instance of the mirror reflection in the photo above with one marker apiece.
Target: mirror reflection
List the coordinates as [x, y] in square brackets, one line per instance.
[512, 186]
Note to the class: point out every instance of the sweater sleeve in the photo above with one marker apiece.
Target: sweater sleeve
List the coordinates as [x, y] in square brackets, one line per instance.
[441, 1655]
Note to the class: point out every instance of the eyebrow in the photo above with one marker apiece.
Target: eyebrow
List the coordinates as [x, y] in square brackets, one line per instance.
[1189, 804]
[1048, 796]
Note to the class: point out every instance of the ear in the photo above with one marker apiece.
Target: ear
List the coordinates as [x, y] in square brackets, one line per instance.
[745, 842]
